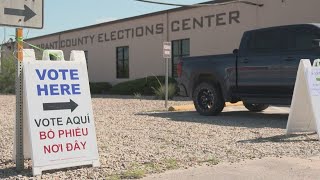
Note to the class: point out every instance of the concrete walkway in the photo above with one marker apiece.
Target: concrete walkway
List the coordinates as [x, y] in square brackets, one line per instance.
[260, 169]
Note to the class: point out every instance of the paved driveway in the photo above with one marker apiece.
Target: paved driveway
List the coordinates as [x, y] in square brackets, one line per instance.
[260, 169]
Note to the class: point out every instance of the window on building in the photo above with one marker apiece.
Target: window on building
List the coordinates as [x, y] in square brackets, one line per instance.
[180, 48]
[87, 56]
[123, 62]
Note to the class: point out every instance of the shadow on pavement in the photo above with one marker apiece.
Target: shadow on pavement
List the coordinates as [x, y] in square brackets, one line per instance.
[235, 118]
[108, 96]
[283, 138]
[11, 172]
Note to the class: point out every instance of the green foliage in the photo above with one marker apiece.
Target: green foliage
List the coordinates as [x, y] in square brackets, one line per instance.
[113, 177]
[7, 76]
[171, 164]
[143, 86]
[211, 161]
[153, 167]
[134, 172]
[137, 95]
[100, 87]
[161, 91]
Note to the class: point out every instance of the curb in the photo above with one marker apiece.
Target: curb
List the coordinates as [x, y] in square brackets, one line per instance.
[190, 107]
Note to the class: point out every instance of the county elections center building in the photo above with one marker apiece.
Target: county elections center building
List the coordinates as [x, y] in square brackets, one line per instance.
[132, 48]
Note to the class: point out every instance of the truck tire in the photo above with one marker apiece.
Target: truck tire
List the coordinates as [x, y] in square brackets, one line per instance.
[255, 107]
[208, 99]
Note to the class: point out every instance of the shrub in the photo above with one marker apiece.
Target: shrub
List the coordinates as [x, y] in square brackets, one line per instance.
[143, 86]
[7, 76]
[100, 87]
[161, 91]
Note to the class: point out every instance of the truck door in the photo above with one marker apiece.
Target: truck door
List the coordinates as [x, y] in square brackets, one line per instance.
[299, 45]
[259, 68]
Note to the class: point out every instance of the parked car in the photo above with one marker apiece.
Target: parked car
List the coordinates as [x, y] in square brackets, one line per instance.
[260, 73]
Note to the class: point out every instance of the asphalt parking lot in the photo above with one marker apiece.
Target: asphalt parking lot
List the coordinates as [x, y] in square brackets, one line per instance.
[137, 137]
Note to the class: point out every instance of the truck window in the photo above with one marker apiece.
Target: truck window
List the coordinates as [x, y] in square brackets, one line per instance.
[264, 41]
[300, 38]
[180, 48]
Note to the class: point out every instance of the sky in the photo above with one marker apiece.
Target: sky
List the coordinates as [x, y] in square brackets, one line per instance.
[60, 15]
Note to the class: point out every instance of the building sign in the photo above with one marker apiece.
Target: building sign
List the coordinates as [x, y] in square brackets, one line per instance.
[59, 112]
[187, 24]
[22, 13]
[167, 50]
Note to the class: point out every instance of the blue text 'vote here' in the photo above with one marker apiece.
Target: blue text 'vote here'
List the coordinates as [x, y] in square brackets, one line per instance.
[55, 89]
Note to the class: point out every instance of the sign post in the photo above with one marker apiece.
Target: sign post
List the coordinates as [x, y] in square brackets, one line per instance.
[20, 13]
[19, 103]
[167, 56]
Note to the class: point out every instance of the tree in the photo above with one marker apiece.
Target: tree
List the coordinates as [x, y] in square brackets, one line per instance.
[7, 76]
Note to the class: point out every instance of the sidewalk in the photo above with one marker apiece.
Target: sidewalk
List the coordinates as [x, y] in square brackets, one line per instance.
[260, 169]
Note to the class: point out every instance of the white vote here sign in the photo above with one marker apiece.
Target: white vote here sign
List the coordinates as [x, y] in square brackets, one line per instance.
[60, 115]
[304, 114]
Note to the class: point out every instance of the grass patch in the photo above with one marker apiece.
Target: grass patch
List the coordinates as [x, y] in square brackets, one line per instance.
[160, 92]
[211, 161]
[153, 167]
[138, 171]
[171, 164]
[113, 177]
[133, 174]
[135, 171]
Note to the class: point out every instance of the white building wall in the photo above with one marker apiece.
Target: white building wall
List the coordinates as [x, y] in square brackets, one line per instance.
[145, 52]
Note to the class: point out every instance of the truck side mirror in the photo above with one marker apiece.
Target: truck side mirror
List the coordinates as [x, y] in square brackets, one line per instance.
[316, 43]
[235, 51]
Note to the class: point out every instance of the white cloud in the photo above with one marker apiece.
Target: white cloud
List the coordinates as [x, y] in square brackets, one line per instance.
[106, 19]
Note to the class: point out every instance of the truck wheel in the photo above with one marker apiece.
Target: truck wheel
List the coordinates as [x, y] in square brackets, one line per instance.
[208, 99]
[255, 107]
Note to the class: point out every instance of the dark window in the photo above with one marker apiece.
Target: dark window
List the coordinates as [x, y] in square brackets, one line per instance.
[87, 56]
[265, 41]
[301, 38]
[123, 62]
[180, 48]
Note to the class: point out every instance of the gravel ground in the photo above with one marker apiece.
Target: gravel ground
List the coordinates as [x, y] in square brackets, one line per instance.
[136, 137]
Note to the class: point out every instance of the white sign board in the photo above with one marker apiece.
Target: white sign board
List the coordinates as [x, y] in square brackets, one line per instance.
[304, 112]
[22, 13]
[59, 112]
[167, 50]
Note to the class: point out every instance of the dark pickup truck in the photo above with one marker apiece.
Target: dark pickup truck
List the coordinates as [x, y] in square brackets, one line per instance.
[260, 73]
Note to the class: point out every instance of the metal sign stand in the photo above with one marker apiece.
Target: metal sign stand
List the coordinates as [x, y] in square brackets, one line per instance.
[21, 13]
[19, 103]
[167, 82]
[167, 56]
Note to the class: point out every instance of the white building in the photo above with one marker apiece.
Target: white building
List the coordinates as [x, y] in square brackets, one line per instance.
[131, 48]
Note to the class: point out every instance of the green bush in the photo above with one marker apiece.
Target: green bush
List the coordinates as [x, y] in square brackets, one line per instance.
[100, 87]
[7, 76]
[143, 86]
